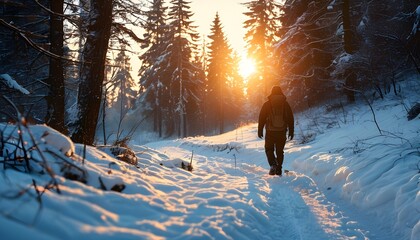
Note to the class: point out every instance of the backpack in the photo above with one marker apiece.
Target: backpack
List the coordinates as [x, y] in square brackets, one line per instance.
[276, 117]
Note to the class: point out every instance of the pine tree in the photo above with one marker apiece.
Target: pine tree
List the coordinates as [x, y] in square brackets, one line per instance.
[122, 83]
[220, 72]
[310, 40]
[237, 85]
[153, 86]
[217, 74]
[262, 25]
[183, 73]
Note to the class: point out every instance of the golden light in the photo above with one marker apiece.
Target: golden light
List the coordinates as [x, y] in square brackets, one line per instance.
[246, 67]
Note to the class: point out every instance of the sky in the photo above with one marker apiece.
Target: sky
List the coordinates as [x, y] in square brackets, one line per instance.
[231, 15]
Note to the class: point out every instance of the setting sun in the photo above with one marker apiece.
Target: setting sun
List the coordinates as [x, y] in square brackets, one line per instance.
[246, 67]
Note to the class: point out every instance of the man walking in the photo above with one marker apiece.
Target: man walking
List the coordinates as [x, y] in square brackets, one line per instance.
[277, 117]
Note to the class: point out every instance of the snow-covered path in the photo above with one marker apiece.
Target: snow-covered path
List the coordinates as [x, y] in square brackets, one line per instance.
[241, 201]
[345, 184]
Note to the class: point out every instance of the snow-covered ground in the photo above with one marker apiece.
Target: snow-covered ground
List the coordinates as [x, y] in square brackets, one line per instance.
[347, 181]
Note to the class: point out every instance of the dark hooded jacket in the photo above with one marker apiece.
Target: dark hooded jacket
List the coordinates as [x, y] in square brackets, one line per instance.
[276, 103]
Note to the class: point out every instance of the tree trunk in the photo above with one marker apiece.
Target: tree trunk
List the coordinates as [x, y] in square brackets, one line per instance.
[104, 101]
[350, 76]
[93, 69]
[348, 38]
[159, 112]
[55, 99]
[221, 104]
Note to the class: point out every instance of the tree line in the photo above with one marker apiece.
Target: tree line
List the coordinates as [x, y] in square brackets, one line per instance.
[74, 58]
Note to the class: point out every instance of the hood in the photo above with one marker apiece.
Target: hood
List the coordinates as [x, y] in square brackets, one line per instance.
[277, 100]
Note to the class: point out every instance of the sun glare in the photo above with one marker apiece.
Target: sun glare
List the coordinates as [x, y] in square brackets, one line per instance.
[246, 67]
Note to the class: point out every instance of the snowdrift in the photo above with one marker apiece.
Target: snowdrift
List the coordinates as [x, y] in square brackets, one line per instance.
[347, 181]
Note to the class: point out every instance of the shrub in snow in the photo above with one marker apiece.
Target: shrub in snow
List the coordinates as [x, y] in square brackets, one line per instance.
[40, 149]
[121, 151]
[414, 112]
[124, 154]
[307, 137]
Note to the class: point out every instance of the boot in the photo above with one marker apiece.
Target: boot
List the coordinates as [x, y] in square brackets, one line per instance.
[273, 170]
[278, 170]
[279, 165]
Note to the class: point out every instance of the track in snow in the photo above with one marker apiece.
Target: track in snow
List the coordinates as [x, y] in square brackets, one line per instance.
[262, 206]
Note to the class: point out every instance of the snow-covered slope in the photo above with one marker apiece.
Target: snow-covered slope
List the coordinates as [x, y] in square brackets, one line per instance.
[372, 168]
[346, 182]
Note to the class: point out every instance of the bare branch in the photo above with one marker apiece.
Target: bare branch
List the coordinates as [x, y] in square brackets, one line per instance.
[31, 43]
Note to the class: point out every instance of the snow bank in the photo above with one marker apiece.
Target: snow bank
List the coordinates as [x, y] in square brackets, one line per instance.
[159, 199]
[348, 182]
[377, 173]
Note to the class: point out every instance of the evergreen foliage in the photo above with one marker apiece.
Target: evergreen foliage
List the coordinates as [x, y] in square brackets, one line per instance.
[318, 51]
[262, 26]
[330, 49]
[184, 74]
[222, 80]
[153, 86]
[170, 76]
[23, 23]
[310, 40]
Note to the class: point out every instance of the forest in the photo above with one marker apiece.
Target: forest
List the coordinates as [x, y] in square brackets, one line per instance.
[121, 119]
[67, 63]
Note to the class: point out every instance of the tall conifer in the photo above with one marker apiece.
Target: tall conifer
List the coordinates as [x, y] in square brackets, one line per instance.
[261, 25]
[219, 77]
[182, 70]
[153, 86]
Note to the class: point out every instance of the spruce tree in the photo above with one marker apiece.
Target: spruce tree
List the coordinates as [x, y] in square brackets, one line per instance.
[220, 77]
[153, 86]
[310, 40]
[183, 72]
[217, 74]
[261, 25]
[124, 84]
[237, 85]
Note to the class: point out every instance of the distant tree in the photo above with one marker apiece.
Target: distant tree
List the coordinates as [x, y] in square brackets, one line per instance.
[236, 83]
[119, 93]
[219, 72]
[183, 72]
[153, 86]
[262, 26]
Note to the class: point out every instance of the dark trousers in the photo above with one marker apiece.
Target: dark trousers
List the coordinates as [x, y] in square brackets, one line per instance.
[274, 142]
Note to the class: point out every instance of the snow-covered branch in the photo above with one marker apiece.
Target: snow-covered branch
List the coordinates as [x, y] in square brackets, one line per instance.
[416, 25]
[11, 83]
